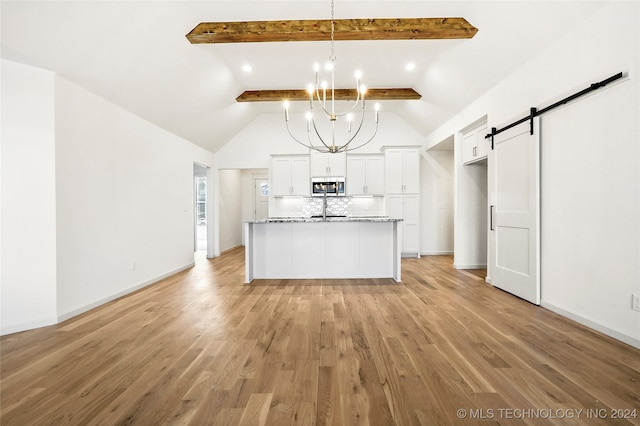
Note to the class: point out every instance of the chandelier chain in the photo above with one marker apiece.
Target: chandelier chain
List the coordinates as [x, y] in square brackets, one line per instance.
[333, 23]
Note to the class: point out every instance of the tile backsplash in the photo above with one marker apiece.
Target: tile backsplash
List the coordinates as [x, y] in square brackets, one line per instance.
[336, 206]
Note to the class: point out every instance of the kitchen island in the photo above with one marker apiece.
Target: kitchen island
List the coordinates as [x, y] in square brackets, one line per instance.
[316, 248]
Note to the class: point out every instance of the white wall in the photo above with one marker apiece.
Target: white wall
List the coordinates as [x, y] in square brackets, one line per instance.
[436, 209]
[267, 134]
[110, 205]
[124, 195]
[231, 196]
[589, 167]
[28, 221]
[592, 212]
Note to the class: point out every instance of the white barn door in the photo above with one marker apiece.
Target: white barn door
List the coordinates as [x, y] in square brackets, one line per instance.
[514, 211]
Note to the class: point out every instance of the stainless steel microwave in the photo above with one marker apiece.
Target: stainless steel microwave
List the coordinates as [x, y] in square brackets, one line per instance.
[330, 187]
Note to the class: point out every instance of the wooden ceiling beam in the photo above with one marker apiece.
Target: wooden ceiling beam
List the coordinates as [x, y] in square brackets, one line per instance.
[345, 29]
[340, 95]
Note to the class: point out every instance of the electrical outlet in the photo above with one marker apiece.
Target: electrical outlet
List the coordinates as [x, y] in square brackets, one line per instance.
[635, 302]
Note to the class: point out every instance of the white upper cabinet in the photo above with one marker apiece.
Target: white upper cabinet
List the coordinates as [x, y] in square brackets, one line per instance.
[328, 164]
[469, 147]
[290, 175]
[402, 167]
[365, 174]
[474, 145]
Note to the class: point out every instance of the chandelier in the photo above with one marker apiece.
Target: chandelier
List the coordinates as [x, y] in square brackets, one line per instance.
[323, 97]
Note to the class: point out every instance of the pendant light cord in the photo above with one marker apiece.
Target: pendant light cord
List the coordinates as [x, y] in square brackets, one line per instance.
[333, 24]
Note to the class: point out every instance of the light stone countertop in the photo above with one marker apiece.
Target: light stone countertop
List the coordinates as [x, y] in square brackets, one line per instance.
[328, 219]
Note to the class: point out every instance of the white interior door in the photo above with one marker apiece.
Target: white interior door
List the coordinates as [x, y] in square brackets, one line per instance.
[261, 202]
[514, 174]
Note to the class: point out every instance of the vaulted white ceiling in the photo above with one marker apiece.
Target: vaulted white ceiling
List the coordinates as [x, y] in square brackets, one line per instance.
[135, 54]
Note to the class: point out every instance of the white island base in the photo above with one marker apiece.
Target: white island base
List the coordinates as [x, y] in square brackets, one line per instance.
[316, 249]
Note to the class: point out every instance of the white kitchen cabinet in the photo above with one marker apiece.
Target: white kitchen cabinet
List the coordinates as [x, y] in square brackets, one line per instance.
[327, 164]
[365, 174]
[474, 145]
[402, 170]
[402, 200]
[407, 208]
[289, 175]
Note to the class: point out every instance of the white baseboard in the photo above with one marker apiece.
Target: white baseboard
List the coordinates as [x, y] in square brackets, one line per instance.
[231, 248]
[17, 328]
[436, 253]
[469, 266]
[588, 323]
[114, 296]
[408, 255]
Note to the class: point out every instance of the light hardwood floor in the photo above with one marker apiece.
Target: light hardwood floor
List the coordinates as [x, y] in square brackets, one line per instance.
[202, 348]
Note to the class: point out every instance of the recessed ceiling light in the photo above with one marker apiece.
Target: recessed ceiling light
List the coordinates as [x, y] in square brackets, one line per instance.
[247, 68]
[410, 66]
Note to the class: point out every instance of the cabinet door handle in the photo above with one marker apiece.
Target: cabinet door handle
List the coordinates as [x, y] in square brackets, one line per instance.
[491, 218]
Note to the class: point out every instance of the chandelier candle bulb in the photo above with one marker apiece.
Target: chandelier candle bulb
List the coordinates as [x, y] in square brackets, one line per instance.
[310, 92]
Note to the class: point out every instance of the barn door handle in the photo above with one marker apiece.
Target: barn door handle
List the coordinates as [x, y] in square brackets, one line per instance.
[491, 218]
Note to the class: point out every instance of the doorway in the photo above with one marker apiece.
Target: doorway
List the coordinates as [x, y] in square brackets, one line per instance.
[471, 195]
[261, 199]
[201, 222]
